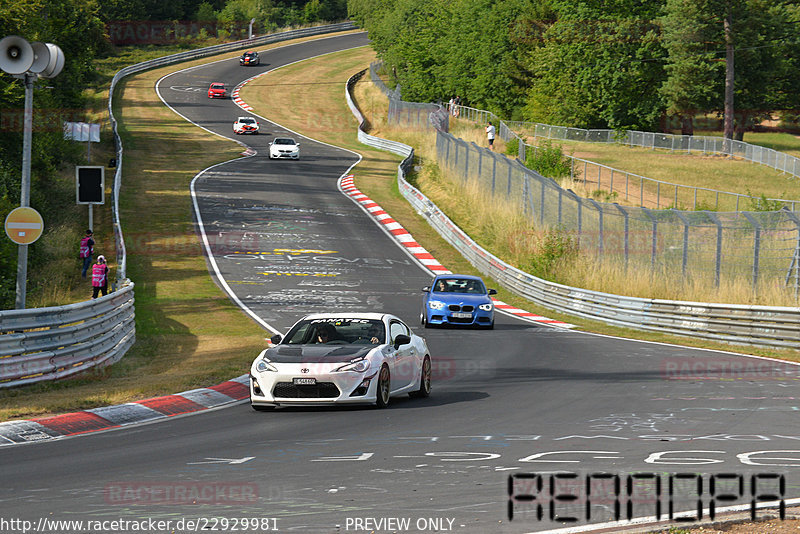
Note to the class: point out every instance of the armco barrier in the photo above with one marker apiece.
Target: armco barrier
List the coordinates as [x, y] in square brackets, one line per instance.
[767, 326]
[40, 344]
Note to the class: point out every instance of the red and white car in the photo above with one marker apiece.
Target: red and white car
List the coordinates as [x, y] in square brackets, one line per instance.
[217, 90]
[245, 125]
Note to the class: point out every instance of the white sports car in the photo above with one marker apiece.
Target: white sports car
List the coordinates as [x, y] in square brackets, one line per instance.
[341, 358]
[284, 147]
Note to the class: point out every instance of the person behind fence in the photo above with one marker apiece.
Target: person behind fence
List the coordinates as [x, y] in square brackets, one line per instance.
[85, 251]
[99, 277]
[490, 131]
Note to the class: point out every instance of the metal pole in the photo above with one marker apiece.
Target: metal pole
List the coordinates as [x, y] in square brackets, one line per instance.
[25, 193]
[718, 260]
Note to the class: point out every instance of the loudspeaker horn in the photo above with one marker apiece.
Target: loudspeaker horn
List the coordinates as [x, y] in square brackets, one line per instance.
[49, 59]
[16, 55]
[41, 55]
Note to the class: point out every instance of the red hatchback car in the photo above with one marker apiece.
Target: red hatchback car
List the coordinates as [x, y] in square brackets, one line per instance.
[217, 90]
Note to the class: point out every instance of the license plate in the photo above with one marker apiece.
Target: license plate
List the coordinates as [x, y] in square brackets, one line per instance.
[304, 381]
[461, 315]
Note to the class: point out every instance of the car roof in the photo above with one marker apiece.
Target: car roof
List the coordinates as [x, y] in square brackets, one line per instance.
[284, 139]
[458, 277]
[217, 83]
[350, 315]
[240, 118]
[251, 52]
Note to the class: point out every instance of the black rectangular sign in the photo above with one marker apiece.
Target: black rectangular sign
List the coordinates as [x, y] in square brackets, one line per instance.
[90, 184]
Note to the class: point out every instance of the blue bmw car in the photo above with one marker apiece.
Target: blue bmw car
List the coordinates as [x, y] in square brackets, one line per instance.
[457, 299]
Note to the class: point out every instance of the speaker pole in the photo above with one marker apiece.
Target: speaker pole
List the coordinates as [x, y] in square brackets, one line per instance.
[25, 194]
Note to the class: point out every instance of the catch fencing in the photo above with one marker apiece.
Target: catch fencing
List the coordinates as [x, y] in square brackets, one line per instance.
[41, 344]
[752, 325]
[761, 248]
[704, 145]
[634, 189]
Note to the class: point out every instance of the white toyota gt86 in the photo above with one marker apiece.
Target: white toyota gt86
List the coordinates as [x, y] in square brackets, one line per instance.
[341, 358]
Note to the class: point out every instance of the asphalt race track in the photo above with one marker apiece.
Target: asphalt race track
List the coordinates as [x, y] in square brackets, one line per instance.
[524, 400]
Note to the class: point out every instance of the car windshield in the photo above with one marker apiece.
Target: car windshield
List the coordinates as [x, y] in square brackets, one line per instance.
[217, 86]
[281, 141]
[459, 285]
[336, 331]
[247, 121]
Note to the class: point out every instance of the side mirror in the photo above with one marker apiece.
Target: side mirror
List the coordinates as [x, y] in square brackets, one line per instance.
[493, 292]
[276, 339]
[401, 339]
[426, 289]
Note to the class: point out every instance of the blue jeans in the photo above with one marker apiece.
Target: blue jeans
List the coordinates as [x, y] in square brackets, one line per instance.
[87, 262]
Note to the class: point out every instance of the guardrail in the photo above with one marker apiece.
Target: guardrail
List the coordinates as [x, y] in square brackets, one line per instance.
[766, 326]
[49, 343]
[41, 344]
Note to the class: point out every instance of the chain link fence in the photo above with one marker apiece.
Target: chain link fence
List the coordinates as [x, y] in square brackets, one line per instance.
[648, 192]
[760, 247]
[705, 145]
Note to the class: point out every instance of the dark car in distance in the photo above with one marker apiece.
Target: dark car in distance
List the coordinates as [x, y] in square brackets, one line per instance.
[249, 58]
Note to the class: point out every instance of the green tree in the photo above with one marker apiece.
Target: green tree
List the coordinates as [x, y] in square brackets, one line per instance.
[762, 47]
[593, 64]
[75, 27]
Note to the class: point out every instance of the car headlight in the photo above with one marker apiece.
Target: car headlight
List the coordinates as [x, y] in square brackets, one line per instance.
[263, 366]
[485, 307]
[436, 304]
[359, 366]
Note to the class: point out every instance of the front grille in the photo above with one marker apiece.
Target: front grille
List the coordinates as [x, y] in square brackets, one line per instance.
[467, 320]
[456, 307]
[320, 390]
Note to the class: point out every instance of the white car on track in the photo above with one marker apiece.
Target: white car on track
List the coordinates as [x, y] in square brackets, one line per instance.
[245, 125]
[341, 358]
[284, 147]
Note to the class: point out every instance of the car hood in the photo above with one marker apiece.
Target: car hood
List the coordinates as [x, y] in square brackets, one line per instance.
[316, 353]
[464, 298]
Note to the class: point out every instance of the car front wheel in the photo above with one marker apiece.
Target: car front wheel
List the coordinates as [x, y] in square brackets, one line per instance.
[383, 389]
